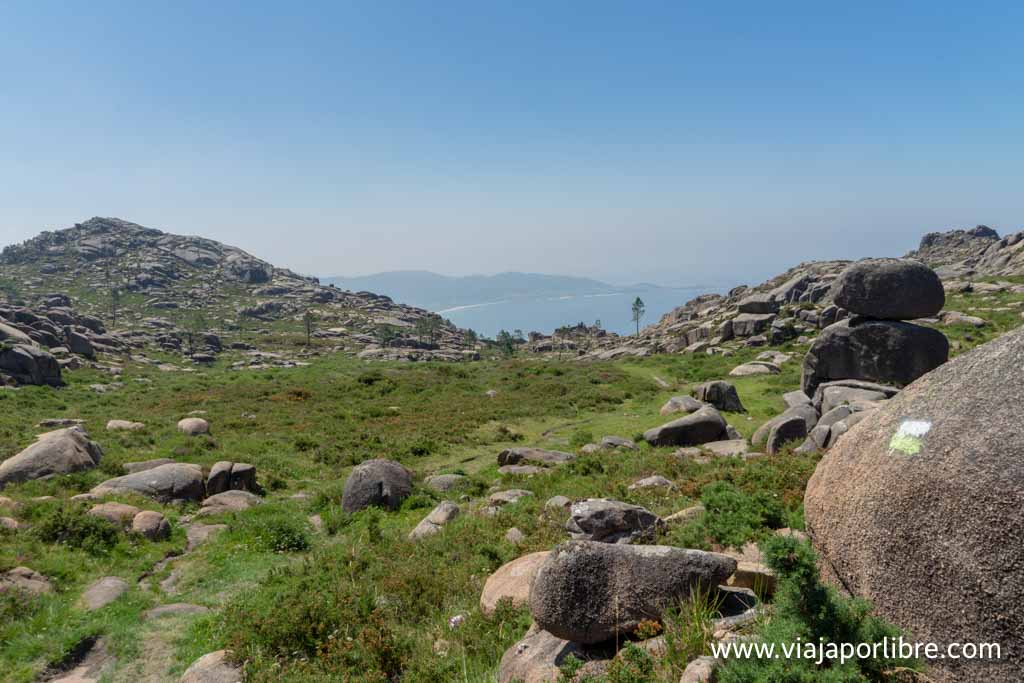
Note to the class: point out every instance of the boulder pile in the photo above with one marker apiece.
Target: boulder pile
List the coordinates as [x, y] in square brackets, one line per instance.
[875, 343]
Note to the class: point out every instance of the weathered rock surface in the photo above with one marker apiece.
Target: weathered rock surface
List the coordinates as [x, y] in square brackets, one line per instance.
[610, 521]
[214, 667]
[152, 525]
[693, 430]
[537, 658]
[918, 509]
[885, 351]
[58, 452]
[588, 592]
[228, 501]
[445, 512]
[512, 582]
[889, 289]
[117, 513]
[124, 426]
[28, 364]
[721, 394]
[516, 456]
[681, 404]
[103, 592]
[791, 429]
[376, 483]
[24, 580]
[443, 483]
[166, 483]
[193, 426]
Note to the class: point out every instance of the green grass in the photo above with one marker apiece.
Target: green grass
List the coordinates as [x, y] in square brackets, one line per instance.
[358, 601]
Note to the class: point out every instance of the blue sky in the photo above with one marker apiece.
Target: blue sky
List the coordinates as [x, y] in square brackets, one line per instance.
[666, 141]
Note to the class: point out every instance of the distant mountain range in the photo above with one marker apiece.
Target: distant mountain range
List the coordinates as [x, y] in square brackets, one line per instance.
[440, 292]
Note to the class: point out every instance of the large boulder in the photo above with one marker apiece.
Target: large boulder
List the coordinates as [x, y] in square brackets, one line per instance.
[13, 335]
[885, 351]
[720, 394]
[919, 509]
[588, 592]
[889, 289]
[29, 365]
[511, 582]
[376, 483]
[693, 430]
[174, 483]
[610, 521]
[58, 452]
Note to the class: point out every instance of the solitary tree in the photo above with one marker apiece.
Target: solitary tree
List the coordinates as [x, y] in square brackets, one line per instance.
[195, 327]
[308, 320]
[638, 313]
[115, 305]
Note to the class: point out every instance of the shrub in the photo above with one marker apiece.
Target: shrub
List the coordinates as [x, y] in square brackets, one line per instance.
[734, 517]
[807, 610]
[70, 526]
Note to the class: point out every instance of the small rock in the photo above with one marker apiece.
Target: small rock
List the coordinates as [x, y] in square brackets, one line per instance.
[118, 513]
[24, 580]
[124, 425]
[653, 482]
[152, 525]
[515, 536]
[214, 667]
[103, 592]
[194, 426]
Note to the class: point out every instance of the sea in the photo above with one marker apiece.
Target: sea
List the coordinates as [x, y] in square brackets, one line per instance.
[545, 314]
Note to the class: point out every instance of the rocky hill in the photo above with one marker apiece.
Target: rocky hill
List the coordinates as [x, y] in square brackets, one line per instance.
[975, 253]
[796, 304]
[152, 287]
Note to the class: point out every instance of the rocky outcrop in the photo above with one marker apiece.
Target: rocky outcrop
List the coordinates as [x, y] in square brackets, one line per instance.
[587, 592]
[194, 274]
[27, 364]
[918, 510]
[58, 452]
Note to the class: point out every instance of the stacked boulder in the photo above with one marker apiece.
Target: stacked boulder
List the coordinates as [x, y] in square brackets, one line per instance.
[863, 360]
[875, 343]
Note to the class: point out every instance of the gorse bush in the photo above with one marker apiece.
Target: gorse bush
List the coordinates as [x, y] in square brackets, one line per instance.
[70, 526]
[809, 611]
[734, 517]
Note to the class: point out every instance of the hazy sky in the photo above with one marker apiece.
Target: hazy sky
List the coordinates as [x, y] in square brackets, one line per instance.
[679, 142]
